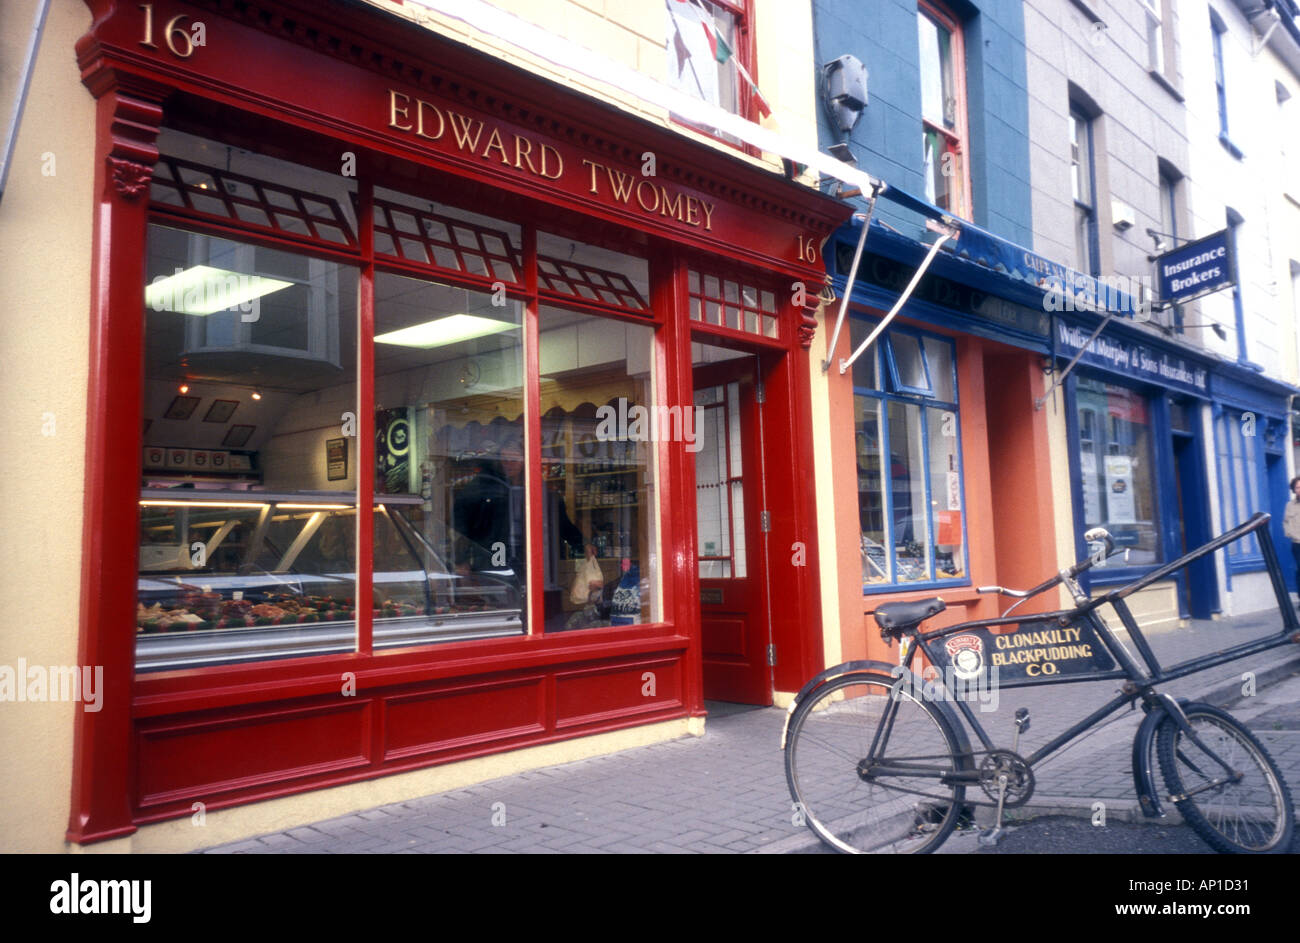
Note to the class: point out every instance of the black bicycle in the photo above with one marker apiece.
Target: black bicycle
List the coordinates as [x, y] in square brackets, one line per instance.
[878, 760]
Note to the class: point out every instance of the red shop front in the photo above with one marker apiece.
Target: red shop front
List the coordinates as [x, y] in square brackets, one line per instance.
[338, 256]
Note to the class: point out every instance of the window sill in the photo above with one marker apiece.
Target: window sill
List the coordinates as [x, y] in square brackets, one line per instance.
[1167, 85]
[1247, 565]
[877, 589]
[1231, 148]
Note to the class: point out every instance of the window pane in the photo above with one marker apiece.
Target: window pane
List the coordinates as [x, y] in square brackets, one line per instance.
[907, 360]
[938, 97]
[1116, 465]
[1080, 158]
[1083, 239]
[938, 356]
[450, 541]
[911, 532]
[945, 494]
[871, 491]
[699, 61]
[249, 490]
[713, 485]
[599, 512]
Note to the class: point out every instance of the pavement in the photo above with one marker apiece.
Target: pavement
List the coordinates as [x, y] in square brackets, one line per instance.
[726, 792]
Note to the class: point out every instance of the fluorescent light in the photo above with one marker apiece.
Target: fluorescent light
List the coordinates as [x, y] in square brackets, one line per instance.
[316, 507]
[451, 329]
[203, 289]
[199, 504]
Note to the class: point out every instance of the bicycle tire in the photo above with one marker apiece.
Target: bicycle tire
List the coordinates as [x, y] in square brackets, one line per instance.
[1254, 816]
[832, 729]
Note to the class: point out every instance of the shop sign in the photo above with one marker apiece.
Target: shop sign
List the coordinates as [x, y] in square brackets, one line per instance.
[1196, 269]
[895, 276]
[1138, 361]
[1038, 649]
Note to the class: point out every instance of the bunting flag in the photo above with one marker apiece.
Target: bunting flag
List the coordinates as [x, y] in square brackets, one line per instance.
[723, 53]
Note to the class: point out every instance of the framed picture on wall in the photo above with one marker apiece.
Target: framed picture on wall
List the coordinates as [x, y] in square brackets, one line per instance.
[238, 436]
[336, 459]
[182, 408]
[221, 410]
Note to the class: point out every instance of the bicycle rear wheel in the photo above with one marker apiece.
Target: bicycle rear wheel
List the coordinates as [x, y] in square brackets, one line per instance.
[1253, 815]
[859, 798]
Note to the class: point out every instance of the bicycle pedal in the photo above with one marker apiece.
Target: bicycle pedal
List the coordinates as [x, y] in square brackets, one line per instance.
[1022, 719]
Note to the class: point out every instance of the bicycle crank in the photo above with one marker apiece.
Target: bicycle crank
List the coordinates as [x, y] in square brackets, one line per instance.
[1006, 776]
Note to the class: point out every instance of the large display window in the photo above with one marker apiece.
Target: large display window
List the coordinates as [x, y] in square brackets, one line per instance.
[1116, 470]
[910, 504]
[259, 369]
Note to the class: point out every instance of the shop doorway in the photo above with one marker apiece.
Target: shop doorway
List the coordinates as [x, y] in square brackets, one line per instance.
[730, 501]
[1198, 589]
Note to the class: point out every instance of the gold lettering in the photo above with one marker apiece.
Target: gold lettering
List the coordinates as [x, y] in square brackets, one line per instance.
[654, 191]
[461, 130]
[548, 151]
[621, 184]
[669, 207]
[593, 165]
[1031, 671]
[692, 211]
[708, 215]
[394, 111]
[524, 153]
[495, 142]
[999, 641]
[421, 104]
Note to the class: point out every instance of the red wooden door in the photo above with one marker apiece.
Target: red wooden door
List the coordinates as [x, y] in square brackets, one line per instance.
[729, 500]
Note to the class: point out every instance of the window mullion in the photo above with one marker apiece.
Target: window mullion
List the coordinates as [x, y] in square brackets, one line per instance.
[365, 425]
[925, 485]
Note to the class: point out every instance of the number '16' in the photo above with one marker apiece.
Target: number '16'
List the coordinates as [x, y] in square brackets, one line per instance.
[807, 251]
[178, 40]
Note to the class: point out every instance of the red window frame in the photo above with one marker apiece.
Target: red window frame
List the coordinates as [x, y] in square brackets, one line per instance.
[531, 287]
[746, 52]
[960, 138]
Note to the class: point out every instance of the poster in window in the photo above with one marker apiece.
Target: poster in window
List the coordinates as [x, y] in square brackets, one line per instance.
[336, 459]
[1119, 489]
[393, 450]
[1091, 490]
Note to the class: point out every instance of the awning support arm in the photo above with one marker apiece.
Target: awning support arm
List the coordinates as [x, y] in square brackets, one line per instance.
[853, 274]
[898, 305]
[1038, 403]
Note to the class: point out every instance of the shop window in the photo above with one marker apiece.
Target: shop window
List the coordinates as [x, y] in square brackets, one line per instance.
[600, 433]
[731, 303]
[1117, 478]
[450, 532]
[910, 504]
[708, 55]
[943, 109]
[1082, 183]
[1241, 476]
[229, 573]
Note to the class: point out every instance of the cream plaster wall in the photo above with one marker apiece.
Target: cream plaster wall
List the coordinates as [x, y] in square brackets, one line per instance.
[635, 33]
[45, 240]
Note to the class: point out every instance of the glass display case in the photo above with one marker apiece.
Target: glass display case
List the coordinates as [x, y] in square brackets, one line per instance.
[229, 576]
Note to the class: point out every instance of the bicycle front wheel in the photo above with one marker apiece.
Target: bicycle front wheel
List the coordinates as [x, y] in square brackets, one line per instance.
[870, 767]
[1246, 811]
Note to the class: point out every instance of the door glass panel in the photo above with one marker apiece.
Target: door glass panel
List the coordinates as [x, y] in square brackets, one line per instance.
[716, 494]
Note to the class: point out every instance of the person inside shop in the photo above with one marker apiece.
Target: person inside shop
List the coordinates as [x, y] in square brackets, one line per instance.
[1291, 525]
[481, 516]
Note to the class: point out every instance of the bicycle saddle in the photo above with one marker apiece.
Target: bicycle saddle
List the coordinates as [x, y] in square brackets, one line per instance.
[895, 618]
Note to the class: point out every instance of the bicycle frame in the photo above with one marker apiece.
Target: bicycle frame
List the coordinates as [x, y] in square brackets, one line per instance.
[1140, 677]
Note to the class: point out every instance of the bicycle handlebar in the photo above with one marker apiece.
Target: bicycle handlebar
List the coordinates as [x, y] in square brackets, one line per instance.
[1095, 535]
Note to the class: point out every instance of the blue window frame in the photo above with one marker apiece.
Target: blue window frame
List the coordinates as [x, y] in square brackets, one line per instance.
[1217, 29]
[1241, 480]
[911, 495]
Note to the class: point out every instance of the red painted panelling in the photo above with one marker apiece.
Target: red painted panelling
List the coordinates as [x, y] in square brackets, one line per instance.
[723, 637]
[601, 694]
[201, 758]
[437, 721]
